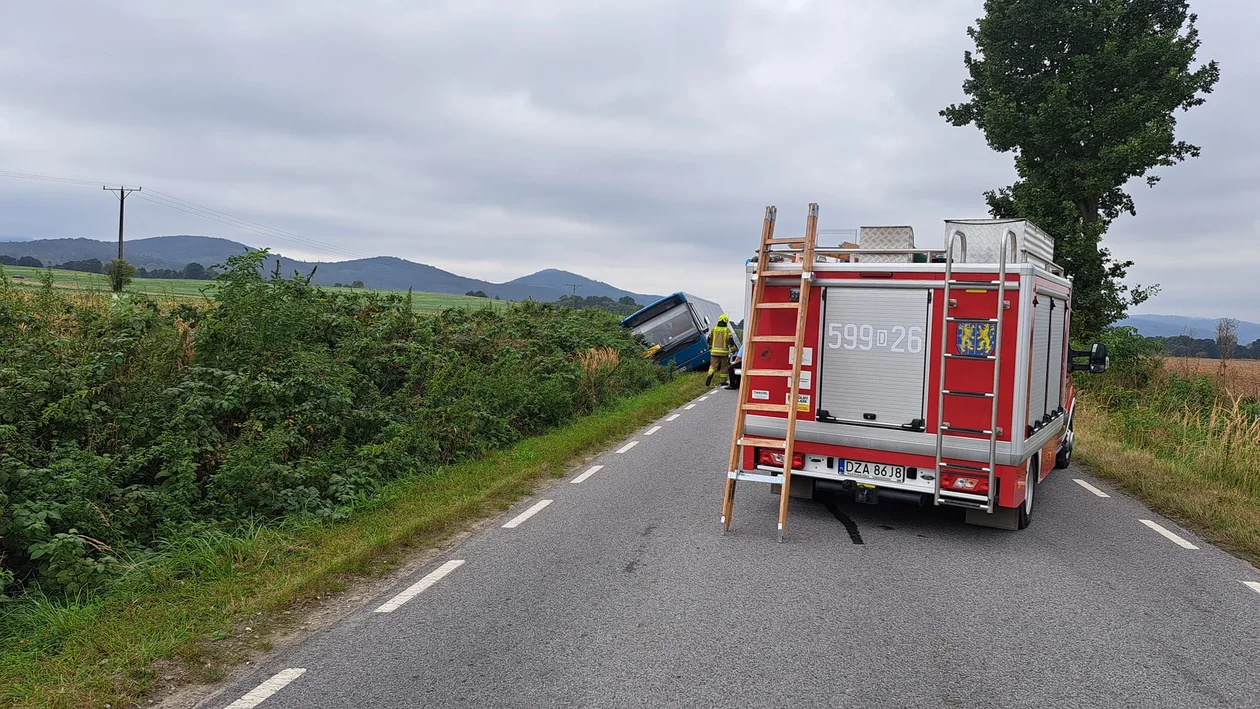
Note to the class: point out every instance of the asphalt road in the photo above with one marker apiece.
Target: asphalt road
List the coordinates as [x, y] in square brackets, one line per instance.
[622, 593]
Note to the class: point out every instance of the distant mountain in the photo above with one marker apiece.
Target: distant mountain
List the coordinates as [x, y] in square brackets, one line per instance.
[384, 272]
[587, 287]
[1173, 325]
[393, 273]
[179, 250]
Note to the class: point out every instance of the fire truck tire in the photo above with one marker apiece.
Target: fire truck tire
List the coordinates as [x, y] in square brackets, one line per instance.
[1030, 487]
[1063, 458]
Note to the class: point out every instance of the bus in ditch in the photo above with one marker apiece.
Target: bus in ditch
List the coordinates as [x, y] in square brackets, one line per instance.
[677, 329]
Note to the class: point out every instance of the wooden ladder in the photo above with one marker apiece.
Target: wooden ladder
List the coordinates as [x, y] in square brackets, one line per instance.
[805, 245]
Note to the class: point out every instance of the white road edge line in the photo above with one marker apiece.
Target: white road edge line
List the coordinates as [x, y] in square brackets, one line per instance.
[1169, 535]
[1089, 487]
[414, 589]
[671, 418]
[651, 430]
[594, 469]
[518, 519]
[259, 694]
[702, 398]
[627, 446]
[1253, 585]
[689, 407]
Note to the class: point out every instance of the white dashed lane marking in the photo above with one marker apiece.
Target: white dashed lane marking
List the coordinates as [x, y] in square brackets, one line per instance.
[259, 694]
[594, 469]
[689, 407]
[651, 430]
[416, 588]
[627, 446]
[1089, 487]
[1169, 535]
[671, 418]
[1253, 585]
[702, 398]
[518, 519]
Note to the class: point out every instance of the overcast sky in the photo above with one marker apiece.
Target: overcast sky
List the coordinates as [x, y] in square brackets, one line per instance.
[633, 142]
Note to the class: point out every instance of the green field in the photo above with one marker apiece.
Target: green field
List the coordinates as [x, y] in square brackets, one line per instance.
[178, 290]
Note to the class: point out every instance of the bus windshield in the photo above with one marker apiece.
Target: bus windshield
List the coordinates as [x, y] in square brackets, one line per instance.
[669, 327]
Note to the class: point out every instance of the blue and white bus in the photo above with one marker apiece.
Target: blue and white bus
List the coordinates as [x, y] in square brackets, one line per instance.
[677, 327]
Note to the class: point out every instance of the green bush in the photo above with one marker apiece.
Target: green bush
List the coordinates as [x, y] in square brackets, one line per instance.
[124, 427]
[1134, 362]
[119, 272]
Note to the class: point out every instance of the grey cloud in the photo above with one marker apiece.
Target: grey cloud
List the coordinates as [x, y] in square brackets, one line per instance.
[635, 142]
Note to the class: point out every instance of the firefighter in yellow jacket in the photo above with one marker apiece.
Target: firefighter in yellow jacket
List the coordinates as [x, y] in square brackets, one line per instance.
[719, 350]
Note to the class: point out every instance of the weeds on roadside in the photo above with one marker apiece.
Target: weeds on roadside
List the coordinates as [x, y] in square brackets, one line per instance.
[1182, 439]
[128, 430]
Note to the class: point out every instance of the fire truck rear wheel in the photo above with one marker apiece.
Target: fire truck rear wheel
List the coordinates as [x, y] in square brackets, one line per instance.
[1030, 487]
[1064, 457]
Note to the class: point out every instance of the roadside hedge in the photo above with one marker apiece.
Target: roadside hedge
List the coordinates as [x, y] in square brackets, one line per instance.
[126, 426]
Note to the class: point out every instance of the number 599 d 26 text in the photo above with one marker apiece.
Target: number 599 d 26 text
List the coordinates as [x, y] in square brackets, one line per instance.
[851, 336]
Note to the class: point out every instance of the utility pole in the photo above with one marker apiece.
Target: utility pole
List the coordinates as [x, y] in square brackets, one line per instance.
[122, 191]
[574, 286]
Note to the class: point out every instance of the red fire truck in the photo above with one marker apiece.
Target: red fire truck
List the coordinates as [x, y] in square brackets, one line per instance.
[926, 375]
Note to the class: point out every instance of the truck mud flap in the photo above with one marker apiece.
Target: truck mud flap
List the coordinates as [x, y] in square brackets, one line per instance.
[802, 488]
[1000, 518]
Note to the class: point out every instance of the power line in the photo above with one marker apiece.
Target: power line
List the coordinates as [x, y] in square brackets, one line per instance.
[211, 214]
[279, 233]
[243, 224]
[46, 178]
[172, 202]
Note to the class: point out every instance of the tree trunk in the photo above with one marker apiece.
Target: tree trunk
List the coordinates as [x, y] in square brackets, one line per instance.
[1087, 207]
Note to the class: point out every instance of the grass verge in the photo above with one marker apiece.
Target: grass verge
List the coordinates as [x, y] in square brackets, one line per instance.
[178, 608]
[1221, 509]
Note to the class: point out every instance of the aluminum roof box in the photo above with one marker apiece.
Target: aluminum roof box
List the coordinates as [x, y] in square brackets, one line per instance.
[984, 242]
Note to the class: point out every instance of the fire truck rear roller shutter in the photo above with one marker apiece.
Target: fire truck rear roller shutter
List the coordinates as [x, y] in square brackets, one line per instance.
[885, 376]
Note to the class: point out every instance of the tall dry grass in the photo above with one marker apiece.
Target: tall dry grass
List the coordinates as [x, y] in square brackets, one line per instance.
[1223, 441]
[1187, 442]
[1223, 512]
[597, 366]
[598, 359]
[1240, 377]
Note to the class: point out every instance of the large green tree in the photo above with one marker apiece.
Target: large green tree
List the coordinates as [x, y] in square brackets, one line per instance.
[1084, 93]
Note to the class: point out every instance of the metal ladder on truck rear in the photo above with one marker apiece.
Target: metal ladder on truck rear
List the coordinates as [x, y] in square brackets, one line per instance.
[806, 245]
[993, 432]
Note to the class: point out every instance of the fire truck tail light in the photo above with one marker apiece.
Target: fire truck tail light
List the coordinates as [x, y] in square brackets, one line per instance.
[965, 483]
[766, 456]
